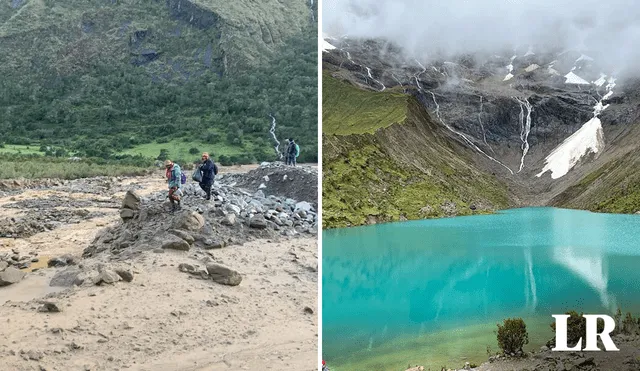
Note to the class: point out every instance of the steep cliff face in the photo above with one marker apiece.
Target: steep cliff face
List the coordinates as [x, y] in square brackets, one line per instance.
[541, 123]
[385, 159]
[174, 37]
[103, 78]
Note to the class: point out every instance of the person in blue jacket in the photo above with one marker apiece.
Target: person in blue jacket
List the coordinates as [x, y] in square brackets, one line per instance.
[209, 171]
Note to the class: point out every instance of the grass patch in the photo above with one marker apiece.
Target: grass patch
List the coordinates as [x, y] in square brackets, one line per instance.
[349, 110]
[20, 149]
[32, 167]
[181, 150]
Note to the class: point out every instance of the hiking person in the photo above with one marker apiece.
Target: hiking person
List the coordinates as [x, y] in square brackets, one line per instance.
[291, 152]
[209, 170]
[324, 366]
[286, 152]
[174, 181]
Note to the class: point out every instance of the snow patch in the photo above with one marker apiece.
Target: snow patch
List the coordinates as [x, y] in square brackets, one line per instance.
[508, 77]
[588, 139]
[572, 78]
[326, 46]
[599, 82]
[529, 52]
[532, 68]
[584, 58]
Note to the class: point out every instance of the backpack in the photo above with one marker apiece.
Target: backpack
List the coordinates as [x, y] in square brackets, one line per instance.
[197, 175]
[297, 150]
[215, 169]
[183, 178]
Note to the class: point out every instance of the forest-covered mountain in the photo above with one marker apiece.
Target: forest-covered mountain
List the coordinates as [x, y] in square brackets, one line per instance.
[101, 78]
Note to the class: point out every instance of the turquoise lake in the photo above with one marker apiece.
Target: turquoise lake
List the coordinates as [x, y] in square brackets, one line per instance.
[430, 292]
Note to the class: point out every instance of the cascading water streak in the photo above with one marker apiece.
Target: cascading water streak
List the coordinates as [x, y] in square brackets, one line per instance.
[272, 131]
[464, 137]
[374, 80]
[525, 128]
[484, 133]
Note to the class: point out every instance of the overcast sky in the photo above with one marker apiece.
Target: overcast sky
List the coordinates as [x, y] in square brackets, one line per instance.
[426, 27]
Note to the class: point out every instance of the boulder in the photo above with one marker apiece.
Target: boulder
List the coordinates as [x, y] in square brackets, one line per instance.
[66, 278]
[61, 261]
[258, 222]
[223, 275]
[125, 273]
[209, 244]
[189, 221]
[49, 307]
[131, 201]
[126, 214]
[107, 276]
[184, 235]
[175, 243]
[229, 220]
[3, 265]
[10, 276]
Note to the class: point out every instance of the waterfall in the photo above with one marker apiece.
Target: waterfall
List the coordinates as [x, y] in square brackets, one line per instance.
[525, 128]
[484, 134]
[374, 80]
[272, 131]
[464, 137]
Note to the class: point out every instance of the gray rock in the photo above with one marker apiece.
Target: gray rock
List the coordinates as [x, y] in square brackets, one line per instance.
[3, 265]
[66, 278]
[223, 275]
[125, 273]
[189, 221]
[258, 222]
[210, 244]
[259, 194]
[234, 209]
[49, 307]
[184, 235]
[186, 268]
[229, 220]
[35, 355]
[61, 261]
[131, 201]
[176, 243]
[107, 276]
[126, 214]
[10, 276]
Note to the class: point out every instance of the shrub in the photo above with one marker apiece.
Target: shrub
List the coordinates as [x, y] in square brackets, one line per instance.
[512, 335]
[194, 151]
[164, 154]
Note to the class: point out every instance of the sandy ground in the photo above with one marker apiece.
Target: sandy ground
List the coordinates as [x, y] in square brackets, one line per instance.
[163, 319]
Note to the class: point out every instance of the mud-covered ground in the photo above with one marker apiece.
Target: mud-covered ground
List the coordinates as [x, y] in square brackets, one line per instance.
[89, 282]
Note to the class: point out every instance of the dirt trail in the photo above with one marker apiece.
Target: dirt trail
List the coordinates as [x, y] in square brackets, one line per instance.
[164, 319]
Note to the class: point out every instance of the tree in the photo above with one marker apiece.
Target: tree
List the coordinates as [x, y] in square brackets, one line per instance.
[164, 154]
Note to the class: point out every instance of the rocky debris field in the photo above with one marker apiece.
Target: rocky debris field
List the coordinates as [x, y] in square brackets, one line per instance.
[298, 183]
[233, 216]
[225, 284]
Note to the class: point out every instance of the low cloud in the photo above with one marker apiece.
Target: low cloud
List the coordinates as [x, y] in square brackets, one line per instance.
[608, 31]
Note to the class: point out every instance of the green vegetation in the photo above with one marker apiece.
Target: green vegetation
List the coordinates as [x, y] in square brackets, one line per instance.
[96, 79]
[612, 188]
[37, 167]
[512, 336]
[400, 171]
[349, 110]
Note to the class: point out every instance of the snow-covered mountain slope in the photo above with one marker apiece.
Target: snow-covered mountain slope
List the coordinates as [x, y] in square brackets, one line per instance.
[540, 121]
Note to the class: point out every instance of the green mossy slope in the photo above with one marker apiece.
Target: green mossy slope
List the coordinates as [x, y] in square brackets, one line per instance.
[390, 162]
